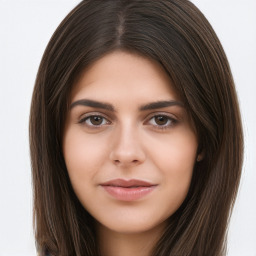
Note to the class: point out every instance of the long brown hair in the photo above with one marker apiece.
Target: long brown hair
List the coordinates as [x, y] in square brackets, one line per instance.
[178, 36]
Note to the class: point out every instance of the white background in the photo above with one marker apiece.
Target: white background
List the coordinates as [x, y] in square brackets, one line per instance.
[25, 29]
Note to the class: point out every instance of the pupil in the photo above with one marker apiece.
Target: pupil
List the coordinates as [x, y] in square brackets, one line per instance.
[161, 120]
[96, 120]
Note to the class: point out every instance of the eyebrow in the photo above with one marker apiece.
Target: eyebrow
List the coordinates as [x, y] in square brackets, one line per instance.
[161, 104]
[107, 106]
[93, 103]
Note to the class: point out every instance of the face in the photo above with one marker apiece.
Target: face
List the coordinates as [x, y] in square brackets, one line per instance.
[129, 145]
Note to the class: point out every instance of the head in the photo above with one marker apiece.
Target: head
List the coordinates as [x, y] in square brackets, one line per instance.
[174, 40]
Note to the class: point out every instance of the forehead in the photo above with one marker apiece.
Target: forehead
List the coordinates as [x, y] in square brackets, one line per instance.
[124, 74]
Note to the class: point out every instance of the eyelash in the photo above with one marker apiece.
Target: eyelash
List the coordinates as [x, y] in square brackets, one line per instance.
[87, 117]
[171, 121]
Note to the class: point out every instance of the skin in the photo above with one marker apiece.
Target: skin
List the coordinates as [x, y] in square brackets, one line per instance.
[128, 143]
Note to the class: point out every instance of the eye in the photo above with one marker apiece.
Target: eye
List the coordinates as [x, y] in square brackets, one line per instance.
[162, 121]
[94, 121]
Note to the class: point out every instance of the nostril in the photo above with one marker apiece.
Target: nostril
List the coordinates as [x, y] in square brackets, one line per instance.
[119, 162]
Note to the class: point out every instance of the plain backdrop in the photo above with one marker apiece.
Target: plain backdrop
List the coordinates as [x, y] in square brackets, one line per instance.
[25, 29]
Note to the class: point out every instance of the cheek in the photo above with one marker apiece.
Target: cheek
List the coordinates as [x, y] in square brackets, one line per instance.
[175, 157]
[83, 156]
[175, 151]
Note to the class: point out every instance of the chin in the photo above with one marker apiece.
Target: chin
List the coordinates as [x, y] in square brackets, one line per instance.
[129, 224]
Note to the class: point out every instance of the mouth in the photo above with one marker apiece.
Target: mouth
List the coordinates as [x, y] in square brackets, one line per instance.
[128, 190]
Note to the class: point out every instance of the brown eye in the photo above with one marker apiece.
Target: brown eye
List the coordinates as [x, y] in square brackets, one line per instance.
[96, 120]
[162, 120]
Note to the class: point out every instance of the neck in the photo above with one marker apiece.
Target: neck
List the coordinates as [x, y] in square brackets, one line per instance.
[113, 243]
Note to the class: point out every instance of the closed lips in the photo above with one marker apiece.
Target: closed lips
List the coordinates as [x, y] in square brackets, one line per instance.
[127, 183]
[130, 190]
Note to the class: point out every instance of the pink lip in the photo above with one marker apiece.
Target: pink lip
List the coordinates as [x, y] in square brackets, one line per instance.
[128, 190]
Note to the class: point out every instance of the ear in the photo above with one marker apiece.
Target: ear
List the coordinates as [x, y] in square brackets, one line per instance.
[200, 153]
[200, 157]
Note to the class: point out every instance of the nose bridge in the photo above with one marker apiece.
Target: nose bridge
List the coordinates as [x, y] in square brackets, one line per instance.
[127, 148]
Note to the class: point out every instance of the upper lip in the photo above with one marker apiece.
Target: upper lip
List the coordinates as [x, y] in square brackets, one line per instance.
[127, 183]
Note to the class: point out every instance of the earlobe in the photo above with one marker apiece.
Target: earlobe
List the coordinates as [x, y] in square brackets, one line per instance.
[200, 153]
[200, 157]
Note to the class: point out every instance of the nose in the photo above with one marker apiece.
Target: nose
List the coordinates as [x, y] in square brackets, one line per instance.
[126, 150]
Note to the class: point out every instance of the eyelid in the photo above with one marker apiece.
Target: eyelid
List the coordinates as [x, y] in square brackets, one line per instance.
[84, 117]
[161, 113]
[174, 120]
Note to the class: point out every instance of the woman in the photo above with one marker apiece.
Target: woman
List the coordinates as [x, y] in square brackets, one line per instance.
[135, 133]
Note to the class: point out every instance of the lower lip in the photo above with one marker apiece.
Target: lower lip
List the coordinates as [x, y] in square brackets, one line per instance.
[128, 194]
